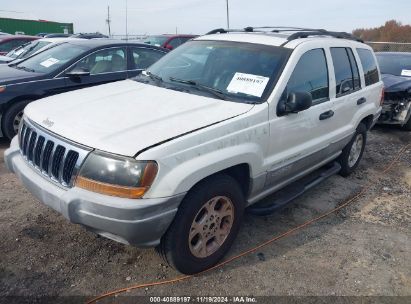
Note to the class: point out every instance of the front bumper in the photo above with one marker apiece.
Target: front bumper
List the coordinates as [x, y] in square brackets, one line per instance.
[395, 113]
[138, 222]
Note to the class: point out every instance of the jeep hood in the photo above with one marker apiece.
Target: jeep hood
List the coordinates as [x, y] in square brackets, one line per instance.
[126, 117]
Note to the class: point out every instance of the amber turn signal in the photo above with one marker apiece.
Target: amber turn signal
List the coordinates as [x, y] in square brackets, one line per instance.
[108, 189]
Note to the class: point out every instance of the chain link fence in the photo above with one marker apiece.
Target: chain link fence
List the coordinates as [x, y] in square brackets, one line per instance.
[390, 46]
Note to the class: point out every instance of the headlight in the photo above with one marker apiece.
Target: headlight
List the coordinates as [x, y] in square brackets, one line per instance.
[116, 176]
[2, 89]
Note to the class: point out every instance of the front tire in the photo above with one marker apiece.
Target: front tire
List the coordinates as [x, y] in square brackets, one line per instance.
[353, 151]
[205, 225]
[12, 117]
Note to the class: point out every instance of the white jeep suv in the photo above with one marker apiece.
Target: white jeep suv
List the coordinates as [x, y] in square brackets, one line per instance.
[172, 158]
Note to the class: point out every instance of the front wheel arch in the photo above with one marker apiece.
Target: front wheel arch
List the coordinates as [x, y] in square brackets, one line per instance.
[8, 119]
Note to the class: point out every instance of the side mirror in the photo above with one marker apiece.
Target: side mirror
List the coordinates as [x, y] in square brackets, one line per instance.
[78, 72]
[296, 102]
[168, 47]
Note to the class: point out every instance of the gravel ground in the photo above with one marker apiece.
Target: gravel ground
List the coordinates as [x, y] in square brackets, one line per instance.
[363, 250]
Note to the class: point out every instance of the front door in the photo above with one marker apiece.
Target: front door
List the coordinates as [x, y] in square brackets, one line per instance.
[300, 141]
[102, 66]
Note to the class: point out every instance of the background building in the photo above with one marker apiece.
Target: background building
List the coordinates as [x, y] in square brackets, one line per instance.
[21, 23]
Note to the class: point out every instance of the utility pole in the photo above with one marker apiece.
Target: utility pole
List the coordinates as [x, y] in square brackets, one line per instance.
[126, 20]
[108, 21]
[228, 16]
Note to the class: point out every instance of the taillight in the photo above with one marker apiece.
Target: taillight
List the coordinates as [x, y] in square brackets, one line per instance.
[382, 96]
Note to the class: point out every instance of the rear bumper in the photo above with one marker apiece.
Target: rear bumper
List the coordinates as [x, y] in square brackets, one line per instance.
[139, 222]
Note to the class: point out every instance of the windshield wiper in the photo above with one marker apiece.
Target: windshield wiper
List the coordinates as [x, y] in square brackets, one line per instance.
[216, 92]
[154, 76]
[24, 68]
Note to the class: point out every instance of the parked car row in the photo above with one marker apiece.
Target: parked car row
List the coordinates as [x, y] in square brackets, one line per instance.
[172, 157]
[31, 48]
[68, 65]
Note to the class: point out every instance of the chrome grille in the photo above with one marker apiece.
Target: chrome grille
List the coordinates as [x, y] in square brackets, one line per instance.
[55, 158]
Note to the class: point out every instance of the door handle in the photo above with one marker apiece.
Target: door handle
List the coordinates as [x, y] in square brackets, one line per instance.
[327, 115]
[361, 100]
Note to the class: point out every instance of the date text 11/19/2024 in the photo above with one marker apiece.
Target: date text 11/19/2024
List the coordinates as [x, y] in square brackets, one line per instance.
[203, 299]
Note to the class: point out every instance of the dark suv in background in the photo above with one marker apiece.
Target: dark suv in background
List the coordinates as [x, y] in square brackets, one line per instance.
[169, 42]
[396, 74]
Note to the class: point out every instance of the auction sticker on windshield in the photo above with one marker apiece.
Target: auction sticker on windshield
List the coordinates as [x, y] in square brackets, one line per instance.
[406, 73]
[248, 84]
[49, 62]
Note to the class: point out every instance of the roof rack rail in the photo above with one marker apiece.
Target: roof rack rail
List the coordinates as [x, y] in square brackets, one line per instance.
[299, 32]
[224, 31]
[340, 35]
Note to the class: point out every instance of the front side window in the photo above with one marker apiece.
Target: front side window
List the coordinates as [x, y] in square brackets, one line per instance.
[310, 75]
[369, 66]
[241, 72]
[143, 58]
[103, 61]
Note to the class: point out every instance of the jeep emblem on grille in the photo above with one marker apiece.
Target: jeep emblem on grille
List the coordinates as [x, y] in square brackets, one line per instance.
[48, 122]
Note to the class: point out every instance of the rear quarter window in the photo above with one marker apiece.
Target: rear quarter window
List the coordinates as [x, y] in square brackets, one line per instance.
[369, 66]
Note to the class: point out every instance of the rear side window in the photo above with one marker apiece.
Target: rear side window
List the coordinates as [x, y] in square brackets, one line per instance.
[369, 66]
[346, 71]
[355, 71]
[310, 75]
[143, 58]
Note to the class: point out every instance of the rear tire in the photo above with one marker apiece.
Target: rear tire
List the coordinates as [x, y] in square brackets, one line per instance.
[205, 225]
[352, 153]
[12, 118]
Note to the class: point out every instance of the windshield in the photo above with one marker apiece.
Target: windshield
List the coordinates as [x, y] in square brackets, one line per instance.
[27, 49]
[241, 72]
[395, 64]
[51, 59]
[156, 40]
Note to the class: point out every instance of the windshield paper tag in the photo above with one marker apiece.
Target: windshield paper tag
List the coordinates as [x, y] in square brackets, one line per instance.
[406, 73]
[49, 62]
[248, 84]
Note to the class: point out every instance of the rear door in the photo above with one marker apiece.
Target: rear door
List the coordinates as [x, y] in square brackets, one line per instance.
[349, 96]
[105, 65]
[372, 84]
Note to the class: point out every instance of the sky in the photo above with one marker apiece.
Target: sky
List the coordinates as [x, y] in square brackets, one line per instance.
[200, 16]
